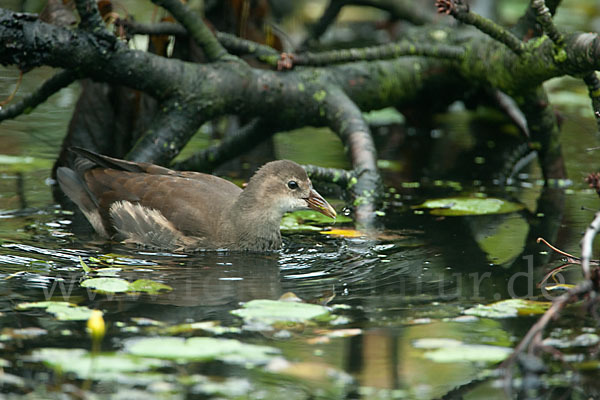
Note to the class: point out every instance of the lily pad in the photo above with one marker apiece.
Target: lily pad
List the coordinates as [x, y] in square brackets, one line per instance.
[509, 308]
[469, 353]
[148, 286]
[306, 220]
[201, 349]
[101, 366]
[455, 206]
[62, 310]
[272, 311]
[107, 285]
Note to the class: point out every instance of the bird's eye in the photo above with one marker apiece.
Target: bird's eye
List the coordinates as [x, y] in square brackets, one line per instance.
[293, 185]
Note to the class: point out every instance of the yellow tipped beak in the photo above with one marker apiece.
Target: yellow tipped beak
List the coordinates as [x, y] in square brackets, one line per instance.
[316, 202]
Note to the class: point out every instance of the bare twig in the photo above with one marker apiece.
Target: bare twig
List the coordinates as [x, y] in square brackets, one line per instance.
[544, 17]
[460, 10]
[381, 52]
[48, 88]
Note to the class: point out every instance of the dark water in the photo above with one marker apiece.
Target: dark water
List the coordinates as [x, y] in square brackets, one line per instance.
[412, 281]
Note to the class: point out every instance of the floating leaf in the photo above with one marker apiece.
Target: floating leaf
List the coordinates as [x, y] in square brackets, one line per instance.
[62, 310]
[455, 206]
[101, 366]
[509, 308]
[272, 311]
[469, 353]
[148, 286]
[107, 285]
[201, 349]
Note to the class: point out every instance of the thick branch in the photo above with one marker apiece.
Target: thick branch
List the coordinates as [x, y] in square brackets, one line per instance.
[334, 175]
[171, 128]
[198, 30]
[91, 19]
[593, 84]
[545, 133]
[230, 147]
[345, 118]
[48, 88]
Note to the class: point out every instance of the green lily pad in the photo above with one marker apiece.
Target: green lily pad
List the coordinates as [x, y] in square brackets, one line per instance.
[107, 285]
[455, 206]
[272, 311]
[306, 220]
[62, 310]
[468, 353]
[201, 349]
[509, 308]
[148, 286]
[101, 366]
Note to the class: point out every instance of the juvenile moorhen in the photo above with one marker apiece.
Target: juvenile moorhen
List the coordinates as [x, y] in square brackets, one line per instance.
[153, 206]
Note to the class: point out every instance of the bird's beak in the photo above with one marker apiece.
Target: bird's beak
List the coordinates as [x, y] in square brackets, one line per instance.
[316, 202]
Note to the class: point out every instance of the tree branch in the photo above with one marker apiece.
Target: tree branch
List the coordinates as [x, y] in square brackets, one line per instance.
[230, 147]
[170, 130]
[459, 10]
[91, 20]
[545, 133]
[593, 84]
[48, 88]
[334, 175]
[345, 118]
[195, 25]
[544, 17]
[381, 52]
[398, 9]
[231, 43]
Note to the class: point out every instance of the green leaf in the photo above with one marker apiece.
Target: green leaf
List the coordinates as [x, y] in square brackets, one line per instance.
[455, 206]
[62, 310]
[102, 366]
[509, 308]
[107, 285]
[148, 286]
[272, 311]
[468, 353]
[200, 349]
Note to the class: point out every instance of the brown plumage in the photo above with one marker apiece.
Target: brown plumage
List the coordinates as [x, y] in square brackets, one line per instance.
[157, 207]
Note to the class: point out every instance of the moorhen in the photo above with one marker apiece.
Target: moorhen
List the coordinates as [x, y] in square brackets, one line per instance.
[157, 207]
